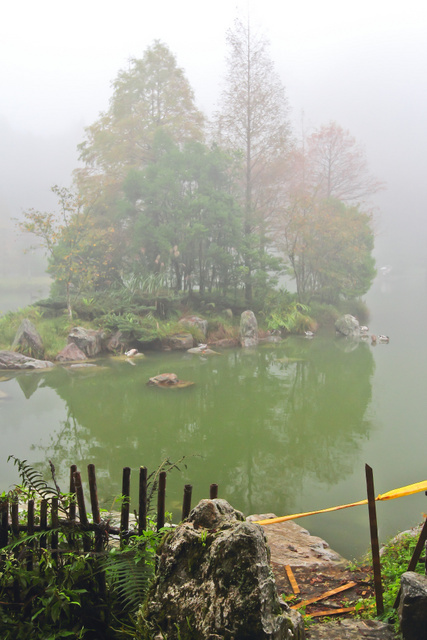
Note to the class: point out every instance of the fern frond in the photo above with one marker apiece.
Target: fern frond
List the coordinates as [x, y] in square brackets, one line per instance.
[129, 575]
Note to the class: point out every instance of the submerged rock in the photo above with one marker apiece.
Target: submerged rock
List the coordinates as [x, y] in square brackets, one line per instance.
[169, 380]
[214, 581]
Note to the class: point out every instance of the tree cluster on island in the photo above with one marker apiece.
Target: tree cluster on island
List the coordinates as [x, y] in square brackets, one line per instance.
[165, 200]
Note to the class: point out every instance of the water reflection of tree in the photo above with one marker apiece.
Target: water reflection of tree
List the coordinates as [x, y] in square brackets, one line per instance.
[264, 421]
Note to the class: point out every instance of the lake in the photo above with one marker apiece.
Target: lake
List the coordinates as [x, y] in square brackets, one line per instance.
[283, 428]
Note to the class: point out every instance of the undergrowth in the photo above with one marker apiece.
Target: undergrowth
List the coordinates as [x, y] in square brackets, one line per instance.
[395, 559]
[76, 591]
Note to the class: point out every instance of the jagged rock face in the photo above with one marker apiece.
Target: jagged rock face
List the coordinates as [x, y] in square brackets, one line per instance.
[214, 581]
[70, 353]
[348, 326]
[88, 340]
[12, 360]
[248, 329]
[28, 340]
[413, 606]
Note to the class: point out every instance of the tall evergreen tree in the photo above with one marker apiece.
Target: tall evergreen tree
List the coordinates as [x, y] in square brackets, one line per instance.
[253, 120]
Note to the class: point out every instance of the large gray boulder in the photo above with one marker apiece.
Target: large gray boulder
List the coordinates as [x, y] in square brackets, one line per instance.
[178, 342]
[194, 321]
[28, 340]
[413, 606]
[90, 341]
[13, 360]
[348, 326]
[214, 582]
[248, 329]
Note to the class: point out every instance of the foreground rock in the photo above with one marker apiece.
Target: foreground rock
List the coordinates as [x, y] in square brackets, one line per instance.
[12, 360]
[214, 581]
[28, 339]
[248, 329]
[413, 606]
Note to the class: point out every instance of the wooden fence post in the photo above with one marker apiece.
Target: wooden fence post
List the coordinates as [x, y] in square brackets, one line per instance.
[124, 517]
[213, 491]
[142, 500]
[376, 565]
[161, 500]
[186, 501]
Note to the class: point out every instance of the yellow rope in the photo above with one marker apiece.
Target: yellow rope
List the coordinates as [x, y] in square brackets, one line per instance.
[390, 495]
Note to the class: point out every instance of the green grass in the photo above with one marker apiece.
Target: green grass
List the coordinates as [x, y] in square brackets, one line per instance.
[394, 562]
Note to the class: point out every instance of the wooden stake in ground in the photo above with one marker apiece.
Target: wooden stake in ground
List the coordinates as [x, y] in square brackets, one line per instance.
[376, 565]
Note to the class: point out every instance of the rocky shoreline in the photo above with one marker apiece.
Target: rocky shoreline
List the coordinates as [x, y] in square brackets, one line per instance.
[319, 569]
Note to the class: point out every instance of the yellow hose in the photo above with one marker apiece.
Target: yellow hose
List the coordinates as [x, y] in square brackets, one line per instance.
[390, 495]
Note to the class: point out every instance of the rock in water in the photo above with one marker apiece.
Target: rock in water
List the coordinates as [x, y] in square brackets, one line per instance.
[348, 326]
[214, 582]
[248, 329]
[12, 360]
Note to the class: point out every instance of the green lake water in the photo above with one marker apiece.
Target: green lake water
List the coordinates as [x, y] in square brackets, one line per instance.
[282, 428]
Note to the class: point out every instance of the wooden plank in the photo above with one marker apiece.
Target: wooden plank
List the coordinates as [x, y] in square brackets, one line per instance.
[324, 595]
[291, 578]
[332, 612]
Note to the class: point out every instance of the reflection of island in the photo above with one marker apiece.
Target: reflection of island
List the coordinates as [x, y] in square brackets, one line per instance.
[264, 421]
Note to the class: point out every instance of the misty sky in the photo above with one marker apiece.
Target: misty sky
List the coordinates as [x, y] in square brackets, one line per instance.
[362, 64]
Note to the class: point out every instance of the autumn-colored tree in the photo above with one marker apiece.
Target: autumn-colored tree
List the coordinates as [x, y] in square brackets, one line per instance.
[329, 248]
[336, 166]
[151, 93]
[253, 120]
[324, 232]
[79, 253]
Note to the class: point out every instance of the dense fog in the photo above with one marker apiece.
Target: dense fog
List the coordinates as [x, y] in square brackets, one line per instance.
[362, 67]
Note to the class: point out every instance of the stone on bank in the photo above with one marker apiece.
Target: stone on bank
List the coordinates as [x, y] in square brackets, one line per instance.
[214, 581]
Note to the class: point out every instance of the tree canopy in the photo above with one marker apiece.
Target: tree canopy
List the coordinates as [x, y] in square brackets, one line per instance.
[152, 199]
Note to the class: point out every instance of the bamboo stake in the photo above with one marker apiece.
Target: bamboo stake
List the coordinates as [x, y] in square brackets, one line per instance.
[161, 500]
[124, 518]
[376, 564]
[142, 511]
[186, 501]
[213, 491]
